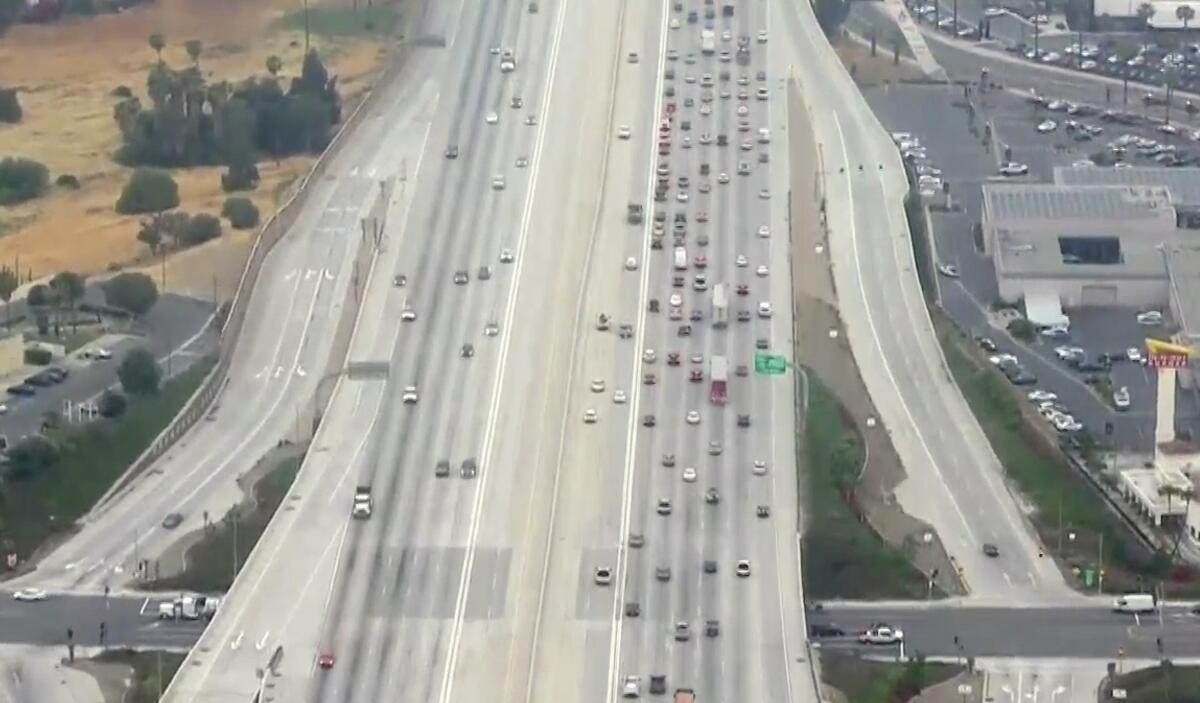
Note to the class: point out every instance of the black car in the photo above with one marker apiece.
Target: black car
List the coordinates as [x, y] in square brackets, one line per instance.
[685, 331]
[452, 151]
[22, 389]
[658, 684]
[633, 609]
[467, 351]
[648, 421]
[442, 470]
[460, 278]
[760, 343]
[469, 468]
[710, 566]
[41, 379]
[743, 420]
[823, 630]
[763, 511]
[991, 550]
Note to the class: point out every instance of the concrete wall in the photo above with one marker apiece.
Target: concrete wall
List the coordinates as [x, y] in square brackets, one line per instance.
[12, 353]
[1130, 293]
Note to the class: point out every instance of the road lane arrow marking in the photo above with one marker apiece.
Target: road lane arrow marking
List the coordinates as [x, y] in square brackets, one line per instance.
[328, 275]
[289, 275]
[300, 371]
[263, 642]
[278, 370]
[237, 642]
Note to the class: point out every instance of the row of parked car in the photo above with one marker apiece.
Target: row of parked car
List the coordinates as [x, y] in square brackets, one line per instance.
[45, 378]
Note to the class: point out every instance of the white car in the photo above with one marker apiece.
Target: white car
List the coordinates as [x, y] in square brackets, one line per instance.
[590, 416]
[97, 354]
[632, 688]
[1135, 355]
[492, 118]
[722, 178]
[689, 474]
[649, 356]
[602, 576]
[993, 12]
[408, 315]
[1047, 126]
[764, 309]
[764, 231]
[30, 595]
[506, 256]
[693, 417]
[623, 132]
[410, 395]
[949, 270]
[1150, 317]
[676, 300]
[761, 271]
[760, 468]
[619, 397]
[597, 385]
[682, 196]
[743, 568]
[742, 261]
[1002, 359]
[498, 182]
[1012, 168]
[764, 194]
[631, 264]
[1041, 396]
[882, 634]
[1121, 400]
[762, 36]
[674, 23]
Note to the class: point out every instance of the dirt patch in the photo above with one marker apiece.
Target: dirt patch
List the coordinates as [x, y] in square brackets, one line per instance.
[65, 73]
[823, 347]
[867, 70]
[112, 678]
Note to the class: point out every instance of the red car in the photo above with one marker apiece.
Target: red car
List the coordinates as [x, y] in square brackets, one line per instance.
[700, 262]
[325, 660]
[702, 217]
[649, 379]
[743, 289]
[670, 108]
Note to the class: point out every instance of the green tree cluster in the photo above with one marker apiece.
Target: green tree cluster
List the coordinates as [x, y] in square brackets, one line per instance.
[21, 179]
[139, 372]
[148, 190]
[242, 213]
[191, 121]
[134, 293]
[30, 456]
[10, 106]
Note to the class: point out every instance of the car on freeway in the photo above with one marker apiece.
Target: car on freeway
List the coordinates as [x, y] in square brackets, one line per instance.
[1040, 396]
[658, 684]
[624, 132]
[442, 469]
[881, 634]
[712, 496]
[819, 630]
[689, 474]
[764, 231]
[491, 329]
[637, 540]
[991, 550]
[589, 416]
[325, 660]
[468, 469]
[461, 277]
[742, 261]
[662, 573]
[764, 309]
[759, 468]
[1120, 398]
[761, 271]
[410, 395]
[492, 118]
[1012, 168]
[408, 315]
[597, 385]
[631, 264]
[619, 397]
[649, 379]
[712, 628]
[763, 511]
[723, 178]
[632, 688]
[693, 417]
[743, 420]
[1046, 126]
[172, 520]
[507, 256]
[29, 595]
[743, 568]
[602, 576]
[948, 270]
[531, 120]
[452, 151]
[683, 632]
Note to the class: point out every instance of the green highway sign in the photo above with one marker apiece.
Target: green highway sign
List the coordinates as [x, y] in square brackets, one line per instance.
[770, 364]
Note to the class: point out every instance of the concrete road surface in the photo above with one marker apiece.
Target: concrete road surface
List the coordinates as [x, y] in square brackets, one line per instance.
[955, 481]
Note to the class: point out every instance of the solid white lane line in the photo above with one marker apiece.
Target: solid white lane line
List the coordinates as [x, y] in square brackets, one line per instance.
[614, 650]
[447, 687]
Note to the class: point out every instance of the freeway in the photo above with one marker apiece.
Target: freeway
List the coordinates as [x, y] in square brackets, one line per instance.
[955, 481]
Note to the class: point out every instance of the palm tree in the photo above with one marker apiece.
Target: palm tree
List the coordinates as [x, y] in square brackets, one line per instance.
[1145, 12]
[1171, 80]
[194, 47]
[158, 43]
[1185, 14]
[274, 65]
[8, 286]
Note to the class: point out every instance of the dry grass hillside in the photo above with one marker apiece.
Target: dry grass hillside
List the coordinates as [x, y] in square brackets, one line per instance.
[65, 73]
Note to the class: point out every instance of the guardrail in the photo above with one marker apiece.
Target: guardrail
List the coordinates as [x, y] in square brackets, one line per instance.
[279, 224]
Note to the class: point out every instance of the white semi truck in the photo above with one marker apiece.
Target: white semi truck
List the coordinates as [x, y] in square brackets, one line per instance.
[189, 607]
[708, 42]
[720, 306]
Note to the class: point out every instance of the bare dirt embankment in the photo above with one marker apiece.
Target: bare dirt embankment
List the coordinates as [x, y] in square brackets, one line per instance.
[65, 73]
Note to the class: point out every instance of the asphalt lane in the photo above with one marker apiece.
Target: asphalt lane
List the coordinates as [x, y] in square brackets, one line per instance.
[127, 621]
[954, 481]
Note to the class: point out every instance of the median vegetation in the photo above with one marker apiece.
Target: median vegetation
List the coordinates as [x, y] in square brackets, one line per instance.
[68, 470]
[863, 681]
[1166, 683]
[843, 556]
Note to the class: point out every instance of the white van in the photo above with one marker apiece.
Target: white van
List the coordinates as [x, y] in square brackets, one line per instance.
[681, 262]
[1135, 603]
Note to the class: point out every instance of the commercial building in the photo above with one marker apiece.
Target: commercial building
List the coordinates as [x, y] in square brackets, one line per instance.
[1057, 247]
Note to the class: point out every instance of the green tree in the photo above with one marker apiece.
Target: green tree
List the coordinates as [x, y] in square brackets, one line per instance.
[139, 372]
[242, 213]
[148, 190]
[39, 295]
[68, 288]
[10, 106]
[134, 293]
[194, 48]
[1022, 329]
[21, 179]
[150, 235]
[202, 228]
[274, 65]
[30, 457]
[112, 404]
[158, 42]
[1145, 12]
[8, 285]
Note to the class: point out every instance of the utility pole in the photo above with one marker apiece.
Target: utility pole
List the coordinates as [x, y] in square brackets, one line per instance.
[233, 514]
[306, 27]
[1100, 566]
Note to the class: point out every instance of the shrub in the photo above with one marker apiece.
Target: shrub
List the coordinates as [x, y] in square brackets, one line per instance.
[139, 372]
[30, 457]
[112, 404]
[10, 106]
[201, 229]
[38, 357]
[67, 180]
[21, 179]
[121, 91]
[39, 295]
[240, 176]
[1022, 329]
[132, 292]
[148, 190]
[242, 213]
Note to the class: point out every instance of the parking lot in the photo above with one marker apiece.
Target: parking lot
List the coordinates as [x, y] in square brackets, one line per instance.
[953, 141]
[178, 331]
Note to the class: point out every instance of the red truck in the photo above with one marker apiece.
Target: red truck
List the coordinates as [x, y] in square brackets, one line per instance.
[719, 372]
